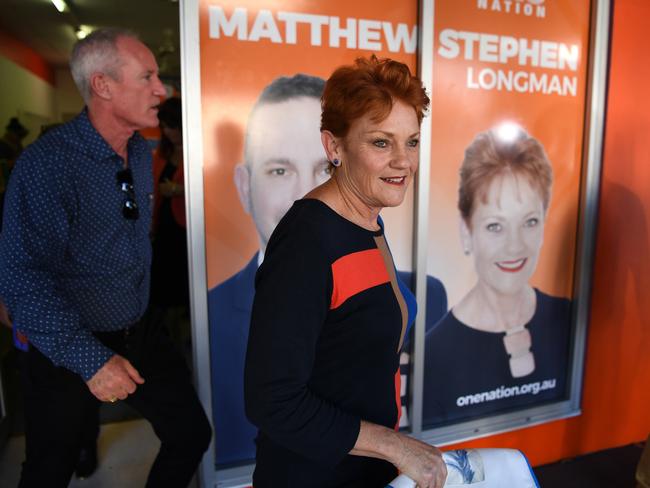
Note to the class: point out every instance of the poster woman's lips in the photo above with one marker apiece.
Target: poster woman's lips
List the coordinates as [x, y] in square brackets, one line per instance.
[512, 266]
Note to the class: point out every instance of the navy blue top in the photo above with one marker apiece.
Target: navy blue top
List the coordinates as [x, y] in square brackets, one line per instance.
[229, 305]
[329, 317]
[467, 373]
[70, 263]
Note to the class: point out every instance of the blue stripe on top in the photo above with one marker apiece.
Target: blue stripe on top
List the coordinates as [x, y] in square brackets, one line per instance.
[409, 297]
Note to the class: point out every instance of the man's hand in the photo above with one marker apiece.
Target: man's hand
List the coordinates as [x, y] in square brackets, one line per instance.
[116, 379]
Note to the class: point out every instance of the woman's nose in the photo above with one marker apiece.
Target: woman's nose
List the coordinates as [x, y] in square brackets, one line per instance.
[515, 241]
[400, 158]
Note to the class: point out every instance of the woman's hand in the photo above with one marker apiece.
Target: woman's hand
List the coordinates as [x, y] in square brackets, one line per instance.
[419, 461]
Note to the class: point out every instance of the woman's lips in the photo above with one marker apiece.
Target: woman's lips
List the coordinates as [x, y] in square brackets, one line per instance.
[512, 266]
[399, 180]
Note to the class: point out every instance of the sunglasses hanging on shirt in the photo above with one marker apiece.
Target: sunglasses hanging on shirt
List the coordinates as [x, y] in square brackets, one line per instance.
[130, 209]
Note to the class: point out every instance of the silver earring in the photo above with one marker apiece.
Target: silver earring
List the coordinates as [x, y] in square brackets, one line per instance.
[336, 162]
[466, 251]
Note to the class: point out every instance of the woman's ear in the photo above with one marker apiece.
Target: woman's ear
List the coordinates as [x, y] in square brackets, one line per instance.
[465, 236]
[331, 145]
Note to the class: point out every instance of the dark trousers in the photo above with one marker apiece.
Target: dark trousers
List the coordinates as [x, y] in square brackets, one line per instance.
[58, 401]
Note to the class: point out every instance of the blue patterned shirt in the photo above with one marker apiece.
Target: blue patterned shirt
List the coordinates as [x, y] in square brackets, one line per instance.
[70, 262]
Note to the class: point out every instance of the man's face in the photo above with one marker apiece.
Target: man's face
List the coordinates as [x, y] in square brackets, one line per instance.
[285, 160]
[136, 94]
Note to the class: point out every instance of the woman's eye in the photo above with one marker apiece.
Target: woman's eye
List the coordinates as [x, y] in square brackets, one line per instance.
[380, 143]
[494, 227]
[414, 142]
[278, 171]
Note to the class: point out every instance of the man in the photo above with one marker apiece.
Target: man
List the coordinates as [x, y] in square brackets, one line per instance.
[74, 273]
[283, 160]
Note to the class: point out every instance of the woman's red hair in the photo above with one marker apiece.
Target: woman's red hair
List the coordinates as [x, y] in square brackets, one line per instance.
[369, 86]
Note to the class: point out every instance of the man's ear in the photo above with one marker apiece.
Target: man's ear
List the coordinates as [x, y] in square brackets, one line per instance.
[331, 144]
[100, 86]
[465, 236]
[242, 179]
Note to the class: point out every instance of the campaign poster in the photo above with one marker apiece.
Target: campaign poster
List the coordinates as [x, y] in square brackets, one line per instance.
[508, 111]
[263, 66]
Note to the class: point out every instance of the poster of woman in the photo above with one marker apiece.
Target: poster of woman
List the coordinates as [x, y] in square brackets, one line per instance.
[503, 331]
[508, 98]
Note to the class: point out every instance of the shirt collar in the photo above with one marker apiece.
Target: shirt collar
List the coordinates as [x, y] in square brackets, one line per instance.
[96, 145]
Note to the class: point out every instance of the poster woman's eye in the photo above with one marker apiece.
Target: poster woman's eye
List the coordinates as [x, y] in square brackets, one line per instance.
[532, 222]
[494, 227]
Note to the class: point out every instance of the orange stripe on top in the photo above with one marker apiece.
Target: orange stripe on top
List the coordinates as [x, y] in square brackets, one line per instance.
[356, 272]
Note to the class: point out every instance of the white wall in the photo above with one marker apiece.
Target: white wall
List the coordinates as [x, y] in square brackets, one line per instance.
[68, 100]
[27, 97]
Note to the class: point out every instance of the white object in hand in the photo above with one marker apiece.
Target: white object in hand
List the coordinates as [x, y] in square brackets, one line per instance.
[402, 481]
[482, 468]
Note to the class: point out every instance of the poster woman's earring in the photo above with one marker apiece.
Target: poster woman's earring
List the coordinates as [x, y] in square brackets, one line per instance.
[336, 163]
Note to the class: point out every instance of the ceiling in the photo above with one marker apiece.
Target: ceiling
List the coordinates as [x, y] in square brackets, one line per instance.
[39, 25]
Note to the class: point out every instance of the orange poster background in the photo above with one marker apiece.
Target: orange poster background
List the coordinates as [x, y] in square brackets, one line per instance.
[459, 113]
[233, 73]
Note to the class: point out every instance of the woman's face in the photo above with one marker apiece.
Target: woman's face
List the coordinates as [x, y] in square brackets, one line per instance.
[380, 158]
[505, 234]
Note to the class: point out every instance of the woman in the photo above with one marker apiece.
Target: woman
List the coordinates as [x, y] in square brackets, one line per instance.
[329, 316]
[169, 275]
[505, 344]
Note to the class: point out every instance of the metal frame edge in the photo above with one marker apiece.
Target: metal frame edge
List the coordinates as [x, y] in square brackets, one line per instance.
[421, 230]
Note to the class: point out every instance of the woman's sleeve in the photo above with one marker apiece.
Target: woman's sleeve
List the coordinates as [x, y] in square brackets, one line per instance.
[293, 289]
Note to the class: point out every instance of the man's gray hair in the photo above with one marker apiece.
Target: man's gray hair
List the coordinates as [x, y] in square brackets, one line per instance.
[97, 53]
